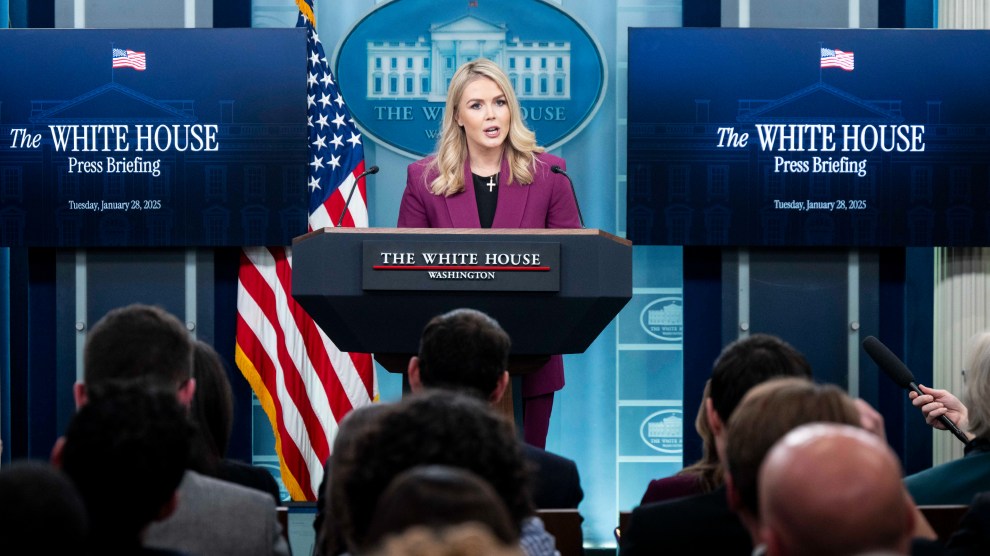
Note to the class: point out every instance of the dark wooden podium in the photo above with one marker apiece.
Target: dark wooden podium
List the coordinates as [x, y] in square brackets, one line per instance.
[373, 290]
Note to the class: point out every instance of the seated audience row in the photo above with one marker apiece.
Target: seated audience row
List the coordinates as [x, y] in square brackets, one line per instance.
[789, 466]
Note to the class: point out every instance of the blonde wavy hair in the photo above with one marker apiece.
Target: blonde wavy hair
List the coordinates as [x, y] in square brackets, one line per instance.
[520, 146]
[977, 394]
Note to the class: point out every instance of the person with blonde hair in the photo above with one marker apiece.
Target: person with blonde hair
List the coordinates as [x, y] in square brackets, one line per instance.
[489, 172]
[957, 481]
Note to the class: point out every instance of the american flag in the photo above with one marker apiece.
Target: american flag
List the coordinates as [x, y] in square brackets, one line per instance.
[304, 383]
[128, 59]
[837, 59]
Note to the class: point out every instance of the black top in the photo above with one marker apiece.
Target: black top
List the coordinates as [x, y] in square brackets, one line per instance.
[486, 192]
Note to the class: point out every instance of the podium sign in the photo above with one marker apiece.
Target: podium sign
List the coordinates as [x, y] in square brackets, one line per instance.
[334, 280]
[461, 265]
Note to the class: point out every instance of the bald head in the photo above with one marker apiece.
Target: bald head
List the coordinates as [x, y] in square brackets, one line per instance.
[830, 489]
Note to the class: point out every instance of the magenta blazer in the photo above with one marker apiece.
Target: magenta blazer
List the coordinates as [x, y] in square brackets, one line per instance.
[548, 202]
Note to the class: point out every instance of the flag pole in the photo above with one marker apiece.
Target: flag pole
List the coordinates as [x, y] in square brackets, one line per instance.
[821, 45]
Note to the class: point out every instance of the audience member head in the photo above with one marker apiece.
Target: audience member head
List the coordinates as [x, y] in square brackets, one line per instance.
[462, 350]
[708, 469]
[831, 489]
[469, 539]
[768, 412]
[750, 361]
[438, 497]
[434, 427]
[212, 407]
[132, 438]
[977, 393]
[356, 424]
[40, 508]
[138, 343]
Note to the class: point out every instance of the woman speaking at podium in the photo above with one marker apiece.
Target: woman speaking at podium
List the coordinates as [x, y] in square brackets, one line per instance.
[488, 172]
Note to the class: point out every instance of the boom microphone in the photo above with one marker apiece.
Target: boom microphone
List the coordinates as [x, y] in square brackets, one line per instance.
[369, 171]
[558, 170]
[902, 376]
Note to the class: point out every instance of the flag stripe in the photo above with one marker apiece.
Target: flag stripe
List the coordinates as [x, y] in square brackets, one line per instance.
[258, 299]
[260, 370]
[287, 345]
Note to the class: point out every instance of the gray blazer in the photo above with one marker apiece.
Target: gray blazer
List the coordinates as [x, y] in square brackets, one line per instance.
[217, 518]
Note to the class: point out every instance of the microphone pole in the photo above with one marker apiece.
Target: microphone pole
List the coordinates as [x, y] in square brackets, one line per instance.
[903, 377]
[558, 170]
[369, 171]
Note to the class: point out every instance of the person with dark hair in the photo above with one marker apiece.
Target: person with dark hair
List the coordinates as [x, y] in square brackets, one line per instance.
[438, 497]
[41, 508]
[467, 350]
[654, 527]
[433, 427]
[145, 345]
[489, 172]
[768, 412]
[464, 350]
[131, 437]
[704, 475]
[213, 412]
[138, 343]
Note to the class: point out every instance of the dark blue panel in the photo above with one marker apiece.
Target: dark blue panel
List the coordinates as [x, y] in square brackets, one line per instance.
[120, 277]
[205, 144]
[231, 13]
[743, 138]
[4, 346]
[701, 13]
[226, 263]
[802, 297]
[42, 395]
[702, 332]
[919, 349]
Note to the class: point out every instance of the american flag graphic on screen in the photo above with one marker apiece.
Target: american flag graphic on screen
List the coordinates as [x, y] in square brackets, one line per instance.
[128, 59]
[837, 59]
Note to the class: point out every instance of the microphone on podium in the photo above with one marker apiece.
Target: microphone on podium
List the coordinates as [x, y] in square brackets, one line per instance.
[558, 170]
[369, 171]
[903, 377]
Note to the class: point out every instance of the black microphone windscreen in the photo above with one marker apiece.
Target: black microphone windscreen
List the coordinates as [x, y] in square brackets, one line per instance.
[888, 362]
[373, 170]
[556, 169]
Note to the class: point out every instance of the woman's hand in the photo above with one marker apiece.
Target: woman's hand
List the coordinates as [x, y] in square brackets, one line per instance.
[935, 403]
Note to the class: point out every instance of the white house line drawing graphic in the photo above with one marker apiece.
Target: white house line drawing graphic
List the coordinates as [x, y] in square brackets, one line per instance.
[422, 70]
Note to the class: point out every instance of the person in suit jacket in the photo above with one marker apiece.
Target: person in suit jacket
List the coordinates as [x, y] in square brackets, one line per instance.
[146, 345]
[488, 172]
[468, 351]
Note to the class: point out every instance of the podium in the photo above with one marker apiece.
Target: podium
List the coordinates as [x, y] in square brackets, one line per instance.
[373, 290]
